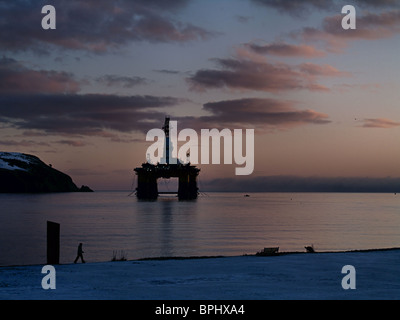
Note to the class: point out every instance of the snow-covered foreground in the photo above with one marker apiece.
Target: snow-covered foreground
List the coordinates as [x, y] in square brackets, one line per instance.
[292, 276]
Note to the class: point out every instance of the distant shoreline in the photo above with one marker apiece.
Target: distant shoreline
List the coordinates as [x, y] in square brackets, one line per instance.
[272, 255]
[283, 253]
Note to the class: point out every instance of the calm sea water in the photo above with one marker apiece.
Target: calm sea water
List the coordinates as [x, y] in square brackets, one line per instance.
[214, 224]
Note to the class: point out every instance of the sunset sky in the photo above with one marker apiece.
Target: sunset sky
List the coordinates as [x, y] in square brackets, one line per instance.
[323, 101]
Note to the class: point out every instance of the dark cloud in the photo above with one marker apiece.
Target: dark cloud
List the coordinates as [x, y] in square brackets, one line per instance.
[108, 116]
[303, 184]
[243, 19]
[16, 78]
[299, 8]
[89, 114]
[169, 5]
[296, 7]
[260, 113]
[96, 26]
[166, 71]
[48, 107]
[155, 28]
[121, 81]
[379, 3]
[244, 74]
[370, 26]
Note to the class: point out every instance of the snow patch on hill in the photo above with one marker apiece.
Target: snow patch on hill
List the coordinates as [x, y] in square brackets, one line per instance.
[8, 160]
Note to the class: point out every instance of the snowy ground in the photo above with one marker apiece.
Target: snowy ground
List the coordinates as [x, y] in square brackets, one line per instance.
[292, 276]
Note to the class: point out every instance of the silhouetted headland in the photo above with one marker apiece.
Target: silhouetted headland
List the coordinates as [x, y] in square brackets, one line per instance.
[24, 173]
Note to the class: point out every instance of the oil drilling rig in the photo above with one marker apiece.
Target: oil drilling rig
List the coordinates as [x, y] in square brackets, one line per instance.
[148, 174]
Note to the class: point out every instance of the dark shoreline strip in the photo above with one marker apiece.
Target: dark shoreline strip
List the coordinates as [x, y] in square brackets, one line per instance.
[272, 255]
[216, 257]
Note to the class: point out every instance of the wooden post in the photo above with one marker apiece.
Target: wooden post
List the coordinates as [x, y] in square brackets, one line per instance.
[53, 242]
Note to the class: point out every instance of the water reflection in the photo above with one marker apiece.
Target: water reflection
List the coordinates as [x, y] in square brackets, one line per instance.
[167, 226]
[221, 224]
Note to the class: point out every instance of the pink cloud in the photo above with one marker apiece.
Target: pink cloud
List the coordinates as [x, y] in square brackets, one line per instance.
[380, 123]
[16, 78]
[286, 50]
[72, 143]
[325, 70]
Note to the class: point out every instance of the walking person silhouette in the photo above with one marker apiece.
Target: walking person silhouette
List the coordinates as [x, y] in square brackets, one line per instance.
[80, 254]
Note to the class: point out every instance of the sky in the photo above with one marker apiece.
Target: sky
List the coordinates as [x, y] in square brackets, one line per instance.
[323, 101]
